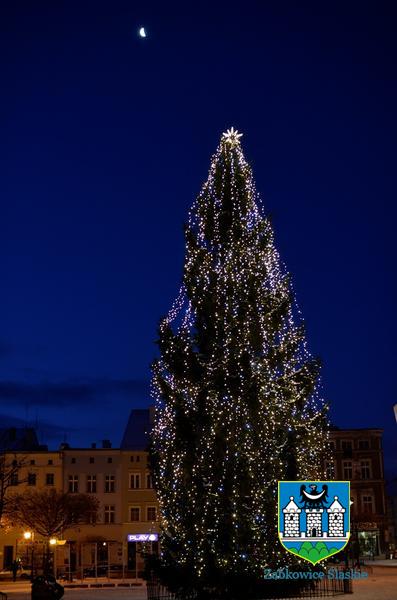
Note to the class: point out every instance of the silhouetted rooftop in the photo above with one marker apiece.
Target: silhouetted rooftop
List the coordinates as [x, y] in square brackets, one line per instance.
[19, 439]
[136, 434]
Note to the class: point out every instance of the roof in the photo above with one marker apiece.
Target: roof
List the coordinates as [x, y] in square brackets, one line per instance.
[333, 430]
[336, 506]
[137, 433]
[291, 506]
[19, 439]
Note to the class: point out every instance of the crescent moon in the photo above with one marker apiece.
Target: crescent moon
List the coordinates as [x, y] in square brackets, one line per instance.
[142, 32]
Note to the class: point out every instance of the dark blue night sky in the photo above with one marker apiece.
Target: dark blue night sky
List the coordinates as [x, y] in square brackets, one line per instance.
[106, 140]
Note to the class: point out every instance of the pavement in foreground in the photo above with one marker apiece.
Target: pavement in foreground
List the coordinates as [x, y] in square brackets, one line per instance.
[380, 585]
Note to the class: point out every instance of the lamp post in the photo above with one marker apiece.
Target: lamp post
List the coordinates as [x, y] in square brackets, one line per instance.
[28, 536]
[53, 545]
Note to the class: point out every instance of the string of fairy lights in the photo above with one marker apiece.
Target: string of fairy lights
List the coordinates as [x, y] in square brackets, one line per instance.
[236, 389]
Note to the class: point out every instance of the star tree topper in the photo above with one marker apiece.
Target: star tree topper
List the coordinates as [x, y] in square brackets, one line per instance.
[232, 137]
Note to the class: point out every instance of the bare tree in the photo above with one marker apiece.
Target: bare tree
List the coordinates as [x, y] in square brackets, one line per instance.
[10, 466]
[49, 512]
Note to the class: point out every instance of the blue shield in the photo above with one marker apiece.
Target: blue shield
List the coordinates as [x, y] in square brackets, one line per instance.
[314, 517]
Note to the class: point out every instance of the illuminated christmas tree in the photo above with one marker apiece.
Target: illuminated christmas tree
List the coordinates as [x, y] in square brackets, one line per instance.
[237, 403]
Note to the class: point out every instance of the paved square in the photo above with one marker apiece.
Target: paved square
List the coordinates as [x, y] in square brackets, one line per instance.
[380, 585]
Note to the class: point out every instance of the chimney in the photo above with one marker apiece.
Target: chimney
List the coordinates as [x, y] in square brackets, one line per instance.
[106, 444]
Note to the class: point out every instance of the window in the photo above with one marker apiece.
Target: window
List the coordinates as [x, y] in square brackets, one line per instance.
[347, 469]
[365, 469]
[73, 484]
[135, 513]
[131, 458]
[110, 459]
[151, 513]
[135, 481]
[32, 462]
[363, 444]
[73, 461]
[92, 460]
[50, 461]
[109, 513]
[330, 469]
[14, 479]
[347, 445]
[31, 478]
[149, 482]
[368, 504]
[332, 445]
[138, 458]
[110, 483]
[49, 479]
[91, 484]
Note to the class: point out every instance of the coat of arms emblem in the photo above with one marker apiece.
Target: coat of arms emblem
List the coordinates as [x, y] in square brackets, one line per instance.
[314, 517]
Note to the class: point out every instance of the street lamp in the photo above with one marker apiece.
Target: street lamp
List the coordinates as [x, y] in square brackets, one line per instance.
[28, 536]
[53, 544]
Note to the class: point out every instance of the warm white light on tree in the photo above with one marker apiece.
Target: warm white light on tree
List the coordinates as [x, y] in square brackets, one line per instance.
[237, 403]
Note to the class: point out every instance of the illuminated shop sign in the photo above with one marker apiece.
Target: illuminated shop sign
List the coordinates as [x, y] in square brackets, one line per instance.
[143, 537]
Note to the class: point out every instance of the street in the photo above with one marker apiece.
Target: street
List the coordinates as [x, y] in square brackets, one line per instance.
[21, 591]
[380, 585]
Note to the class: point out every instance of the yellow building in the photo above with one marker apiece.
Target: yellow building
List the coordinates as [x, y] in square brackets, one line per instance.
[139, 509]
[40, 470]
[127, 521]
[139, 502]
[93, 547]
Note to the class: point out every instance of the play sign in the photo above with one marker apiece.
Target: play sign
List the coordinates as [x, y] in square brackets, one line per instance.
[143, 537]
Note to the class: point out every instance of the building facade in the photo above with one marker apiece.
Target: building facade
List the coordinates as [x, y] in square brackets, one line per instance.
[357, 456]
[139, 503]
[126, 524]
[40, 470]
[94, 546]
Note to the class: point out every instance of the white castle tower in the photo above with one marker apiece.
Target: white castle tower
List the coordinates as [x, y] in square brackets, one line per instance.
[335, 519]
[313, 522]
[291, 519]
